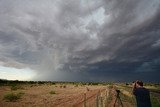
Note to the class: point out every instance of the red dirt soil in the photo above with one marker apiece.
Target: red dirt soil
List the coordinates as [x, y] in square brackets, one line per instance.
[65, 96]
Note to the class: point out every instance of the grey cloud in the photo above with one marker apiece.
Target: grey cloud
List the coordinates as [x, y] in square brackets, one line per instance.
[55, 39]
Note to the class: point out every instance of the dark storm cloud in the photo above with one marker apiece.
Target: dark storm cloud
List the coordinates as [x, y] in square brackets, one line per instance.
[67, 41]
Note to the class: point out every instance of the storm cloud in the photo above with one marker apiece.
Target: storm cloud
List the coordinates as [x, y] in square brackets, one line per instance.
[82, 40]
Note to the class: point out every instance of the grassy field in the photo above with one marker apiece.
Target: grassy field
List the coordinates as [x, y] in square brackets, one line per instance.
[67, 94]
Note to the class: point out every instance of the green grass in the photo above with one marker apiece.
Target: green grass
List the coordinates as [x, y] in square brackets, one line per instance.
[76, 85]
[52, 92]
[154, 101]
[12, 97]
[126, 98]
[15, 87]
[109, 99]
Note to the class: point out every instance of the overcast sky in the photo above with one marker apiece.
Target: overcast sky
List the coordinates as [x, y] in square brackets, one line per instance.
[80, 40]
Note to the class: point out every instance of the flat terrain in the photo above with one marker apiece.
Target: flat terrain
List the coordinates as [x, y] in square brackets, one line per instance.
[40, 96]
[67, 95]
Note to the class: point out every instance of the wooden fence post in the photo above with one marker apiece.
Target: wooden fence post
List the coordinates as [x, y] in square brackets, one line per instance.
[84, 100]
[101, 101]
[97, 101]
[105, 98]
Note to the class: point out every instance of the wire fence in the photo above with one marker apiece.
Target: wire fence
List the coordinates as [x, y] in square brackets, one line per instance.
[98, 99]
[92, 98]
[106, 97]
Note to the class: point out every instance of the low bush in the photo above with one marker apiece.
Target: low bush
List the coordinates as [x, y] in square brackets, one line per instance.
[53, 83]
[76, 85]
[11, 97]
[52, 92]
[155, 101]
[16, 87]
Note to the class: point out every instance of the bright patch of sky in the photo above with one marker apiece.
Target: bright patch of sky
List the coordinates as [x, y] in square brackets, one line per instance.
[16, 74]
[98, 16]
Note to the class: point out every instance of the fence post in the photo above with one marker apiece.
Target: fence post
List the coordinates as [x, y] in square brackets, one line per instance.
[97, 101]
[84, 100]
[105, 98]
[101, 101]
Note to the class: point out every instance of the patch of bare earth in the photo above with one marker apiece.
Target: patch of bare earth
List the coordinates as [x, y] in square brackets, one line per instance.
[65, 96]
[39, 96]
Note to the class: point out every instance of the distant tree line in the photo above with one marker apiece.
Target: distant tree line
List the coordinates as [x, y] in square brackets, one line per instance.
[10, 82]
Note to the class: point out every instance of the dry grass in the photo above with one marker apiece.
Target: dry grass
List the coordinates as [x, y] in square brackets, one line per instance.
[12, 96]
[45, 95]
[52, 92]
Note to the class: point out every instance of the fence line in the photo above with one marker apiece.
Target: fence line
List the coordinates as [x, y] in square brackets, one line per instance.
[77, 96]
[98, 98]
[85, 100]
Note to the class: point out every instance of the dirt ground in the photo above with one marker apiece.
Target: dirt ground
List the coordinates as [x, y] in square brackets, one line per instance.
[65, 96]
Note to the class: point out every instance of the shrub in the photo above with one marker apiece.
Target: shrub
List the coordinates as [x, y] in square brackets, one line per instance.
[15, 87]
[53, 83]
[52, 92]
[154, 101]
[76, 85]
[12, 96]
[41, 82]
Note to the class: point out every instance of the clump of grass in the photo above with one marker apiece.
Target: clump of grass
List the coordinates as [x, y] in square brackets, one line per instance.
[154, 101]
[64, 86]
[127, 98]
[76, 85]
[52, 92]
[21, 93]
[12, 97]
[16, 87]
[33, 85]
[109, 99]
[110, 86]
[53, 83]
